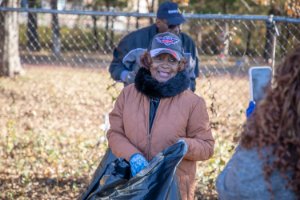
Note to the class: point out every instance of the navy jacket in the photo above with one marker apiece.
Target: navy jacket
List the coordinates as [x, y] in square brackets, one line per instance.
[141, 38]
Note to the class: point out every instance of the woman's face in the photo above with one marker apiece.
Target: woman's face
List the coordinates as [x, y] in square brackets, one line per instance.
[164, 66]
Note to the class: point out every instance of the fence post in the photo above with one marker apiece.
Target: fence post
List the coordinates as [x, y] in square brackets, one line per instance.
[275, 34]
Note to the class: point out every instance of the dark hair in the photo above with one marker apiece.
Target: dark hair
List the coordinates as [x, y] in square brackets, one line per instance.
[146, 60]
[276, 123]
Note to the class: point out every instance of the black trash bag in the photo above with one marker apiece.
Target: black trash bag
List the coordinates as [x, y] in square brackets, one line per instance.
[157, 181]
[106, 160]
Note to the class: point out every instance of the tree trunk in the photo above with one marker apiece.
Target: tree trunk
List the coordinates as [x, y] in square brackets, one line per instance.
[106, 38]
[150, 7]
[56, 43]
[248, 50]
[128, 23]
[95, 32]
[227, 33]
[226, 41]
[33, 42]
[137, 18]
[112, 34]
[10, 64]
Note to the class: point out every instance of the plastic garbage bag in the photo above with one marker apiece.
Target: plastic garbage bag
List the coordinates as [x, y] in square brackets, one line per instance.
[157, 181]
[107, 158]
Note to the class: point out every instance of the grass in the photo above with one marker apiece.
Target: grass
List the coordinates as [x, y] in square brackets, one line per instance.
[52, 129]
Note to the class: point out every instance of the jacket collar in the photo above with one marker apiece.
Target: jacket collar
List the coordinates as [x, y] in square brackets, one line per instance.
[150, 87]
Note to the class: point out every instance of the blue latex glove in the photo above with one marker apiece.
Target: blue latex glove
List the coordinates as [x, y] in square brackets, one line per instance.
[137, 163]
[250, 108]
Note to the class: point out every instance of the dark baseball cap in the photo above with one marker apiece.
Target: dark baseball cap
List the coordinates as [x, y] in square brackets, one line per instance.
[170, 12]
[166, 43]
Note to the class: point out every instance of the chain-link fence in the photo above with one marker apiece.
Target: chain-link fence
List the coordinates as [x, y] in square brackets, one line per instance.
[86, 38]
[227, 45]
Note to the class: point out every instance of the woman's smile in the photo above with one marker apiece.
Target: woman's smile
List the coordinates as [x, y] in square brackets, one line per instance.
[164, 67]
[164, 74]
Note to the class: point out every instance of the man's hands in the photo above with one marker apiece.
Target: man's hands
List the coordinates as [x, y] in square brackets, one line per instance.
[128, 76]
[137, 163]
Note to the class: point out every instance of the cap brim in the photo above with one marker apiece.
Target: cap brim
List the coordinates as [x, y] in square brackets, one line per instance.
[175, 54]
[176, 20]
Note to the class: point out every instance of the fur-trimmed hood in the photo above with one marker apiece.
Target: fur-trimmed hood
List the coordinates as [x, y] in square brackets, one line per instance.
[149, 86]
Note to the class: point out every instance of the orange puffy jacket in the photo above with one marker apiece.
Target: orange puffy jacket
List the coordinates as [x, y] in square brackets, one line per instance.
[182, 116]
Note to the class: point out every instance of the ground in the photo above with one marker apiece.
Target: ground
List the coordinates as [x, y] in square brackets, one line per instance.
[53, 122]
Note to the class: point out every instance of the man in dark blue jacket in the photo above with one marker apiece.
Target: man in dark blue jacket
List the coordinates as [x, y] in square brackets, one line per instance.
[168, 19]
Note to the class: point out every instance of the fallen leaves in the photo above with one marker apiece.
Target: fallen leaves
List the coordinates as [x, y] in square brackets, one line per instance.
[53, 123]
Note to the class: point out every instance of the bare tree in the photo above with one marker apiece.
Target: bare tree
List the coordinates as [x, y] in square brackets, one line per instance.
[33, 42]
[137, 18]
[108, 5]
[150, 6]
[56, 43]
[10, 64]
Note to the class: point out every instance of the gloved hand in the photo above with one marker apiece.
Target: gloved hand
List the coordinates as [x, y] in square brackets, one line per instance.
[128, 76]
[250, 108]
[137, 163]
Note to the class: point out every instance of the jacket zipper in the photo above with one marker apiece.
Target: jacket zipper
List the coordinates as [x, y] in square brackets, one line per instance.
[149, 132]
[148, 143]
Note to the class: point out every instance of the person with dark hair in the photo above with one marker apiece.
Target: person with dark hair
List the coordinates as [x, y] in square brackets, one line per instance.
[266, 164]
[168, 19]
[158, 110]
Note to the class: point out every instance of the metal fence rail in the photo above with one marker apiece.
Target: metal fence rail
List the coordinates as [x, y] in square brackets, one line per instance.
[227, 45]
[86, 38]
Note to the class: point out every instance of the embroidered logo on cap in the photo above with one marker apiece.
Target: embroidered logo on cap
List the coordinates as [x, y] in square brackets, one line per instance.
[167, 40]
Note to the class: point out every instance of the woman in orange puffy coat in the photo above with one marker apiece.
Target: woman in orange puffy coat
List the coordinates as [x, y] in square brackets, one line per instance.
[158, 110]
